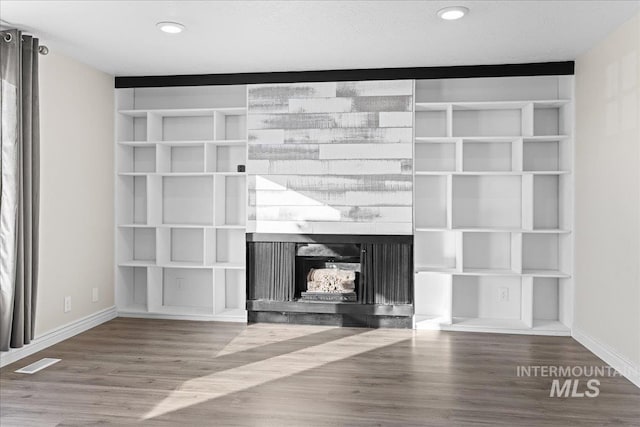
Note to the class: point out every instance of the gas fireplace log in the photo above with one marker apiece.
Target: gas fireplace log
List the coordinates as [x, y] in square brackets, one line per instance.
[331, 280]
[330, 287]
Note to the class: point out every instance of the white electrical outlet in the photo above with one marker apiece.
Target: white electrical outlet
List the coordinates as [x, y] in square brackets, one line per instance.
[179, 282]
[503, 294]
[67, 304]
[94, 295]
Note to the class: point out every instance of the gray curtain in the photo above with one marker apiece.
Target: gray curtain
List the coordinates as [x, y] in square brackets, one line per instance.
[19, 188]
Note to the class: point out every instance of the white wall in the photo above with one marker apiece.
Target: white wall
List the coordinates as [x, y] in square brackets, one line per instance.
[607, 270]
[76, 205]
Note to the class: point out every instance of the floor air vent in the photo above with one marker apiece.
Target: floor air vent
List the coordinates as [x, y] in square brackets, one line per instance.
[38, 366]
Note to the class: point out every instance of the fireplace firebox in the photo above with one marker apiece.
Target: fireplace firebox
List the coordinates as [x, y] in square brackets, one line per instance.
[327, 272]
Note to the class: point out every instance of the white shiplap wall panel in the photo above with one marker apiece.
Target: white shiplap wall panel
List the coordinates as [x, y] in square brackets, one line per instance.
[267, 136]
[330, 157]
[332, 184]
[329, 213]
[331, 135]
[371, 151]
[336, 198]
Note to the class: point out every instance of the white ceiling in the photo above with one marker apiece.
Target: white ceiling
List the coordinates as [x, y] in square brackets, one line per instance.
[120, 37]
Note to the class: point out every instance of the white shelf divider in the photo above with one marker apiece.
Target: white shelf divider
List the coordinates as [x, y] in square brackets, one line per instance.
[516, 252]
[527, 301]
[449, 202]
[154, 192]
[459, 156]
[449, 119]
[527, 201]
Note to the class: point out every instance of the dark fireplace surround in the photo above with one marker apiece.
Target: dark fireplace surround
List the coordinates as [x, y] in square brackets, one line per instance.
[278, 264]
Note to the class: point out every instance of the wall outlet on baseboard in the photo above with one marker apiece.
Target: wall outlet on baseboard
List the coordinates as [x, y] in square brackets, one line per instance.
[503, 294]
[67, 304]
[94, 295]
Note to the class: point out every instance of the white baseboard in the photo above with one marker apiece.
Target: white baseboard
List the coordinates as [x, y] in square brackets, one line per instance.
[59, 334]
[610, 356]
[222, 318]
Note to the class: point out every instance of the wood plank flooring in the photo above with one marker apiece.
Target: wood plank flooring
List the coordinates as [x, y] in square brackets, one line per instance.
[166, 373]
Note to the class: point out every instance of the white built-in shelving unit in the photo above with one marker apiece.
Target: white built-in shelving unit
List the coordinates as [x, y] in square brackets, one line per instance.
[181, 202]
[493, 204]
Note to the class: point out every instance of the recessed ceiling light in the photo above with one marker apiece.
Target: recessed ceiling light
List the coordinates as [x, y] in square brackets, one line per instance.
[170, 27]
[452, 13]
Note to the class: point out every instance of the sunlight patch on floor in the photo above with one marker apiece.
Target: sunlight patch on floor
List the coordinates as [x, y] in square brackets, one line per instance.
[219, 384]
[259, 335]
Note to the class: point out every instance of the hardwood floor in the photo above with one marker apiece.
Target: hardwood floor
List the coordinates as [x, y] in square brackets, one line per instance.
[198, 373]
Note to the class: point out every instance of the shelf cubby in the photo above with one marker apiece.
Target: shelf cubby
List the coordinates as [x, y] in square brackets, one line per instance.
[486, 297]
[493, 252]
[187, 291]
[430, 201]
[488, 155]
[230, 125]
[487, 201]
[546, 202]
[132, 288]
[187, 200]
[542, 155]
[230, 247]
[225, 157]
[435, 156]
[431, 121]
[230, 292]
[432, 299]
[486, 121]
[436, 250]
[231, 190]
[188, 97]
[541, 253]
[181, 246]
[181, 158]
[154, 199]
[137, 246]
[136, 159]
[209, 246]
[132, 200]
[546, 300]
[483, 89]
[132, 127]
[549, 118]
[183, 127]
